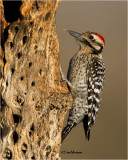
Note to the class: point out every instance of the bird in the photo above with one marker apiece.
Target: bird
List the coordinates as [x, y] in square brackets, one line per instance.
[85, 80]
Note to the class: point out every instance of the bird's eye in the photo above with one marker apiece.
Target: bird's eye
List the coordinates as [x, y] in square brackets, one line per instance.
[91, 37]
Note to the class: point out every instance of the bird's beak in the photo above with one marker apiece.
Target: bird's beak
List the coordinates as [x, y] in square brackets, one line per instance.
[78, 36]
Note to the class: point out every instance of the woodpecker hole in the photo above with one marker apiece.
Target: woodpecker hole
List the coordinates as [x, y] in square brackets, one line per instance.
[47, 153]
[21, 78]
[12, 70]
[6, 83]
[48, 150]
[15, 137]
[52, 107]
[7, 154]
[16, 118]
[40, 71]
[25, 39]
[30, 64]
[31, 130]
[20, 100]
[40, 31]
[39, 141]
[31, 24]
[32, 127]
[24, 148]
[11, 44]
[35, 47]
[16, 29]
[47, 16]
[33, 83]
[19, 55]
[33, 157]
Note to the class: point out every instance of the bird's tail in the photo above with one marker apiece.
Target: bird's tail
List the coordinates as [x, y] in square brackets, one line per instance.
[86, 127]
[66, 131]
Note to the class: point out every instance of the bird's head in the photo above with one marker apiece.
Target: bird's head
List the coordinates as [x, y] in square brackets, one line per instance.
[92, 40]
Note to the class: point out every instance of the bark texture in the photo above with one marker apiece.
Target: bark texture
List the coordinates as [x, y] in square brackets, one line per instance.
[34, 98]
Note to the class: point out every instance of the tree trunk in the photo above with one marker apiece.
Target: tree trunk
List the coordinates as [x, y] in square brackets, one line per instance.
[34, 97]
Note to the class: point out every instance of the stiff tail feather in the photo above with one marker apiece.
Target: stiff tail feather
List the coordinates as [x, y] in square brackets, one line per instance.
[66, 131]
[86, 127]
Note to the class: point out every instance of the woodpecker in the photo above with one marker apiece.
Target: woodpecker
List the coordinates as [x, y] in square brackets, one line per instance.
[85, 80]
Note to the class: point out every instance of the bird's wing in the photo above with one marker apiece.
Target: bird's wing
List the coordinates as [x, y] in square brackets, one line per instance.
[95, 81]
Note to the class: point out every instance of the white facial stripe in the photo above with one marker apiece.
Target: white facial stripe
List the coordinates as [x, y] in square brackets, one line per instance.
[97, 39]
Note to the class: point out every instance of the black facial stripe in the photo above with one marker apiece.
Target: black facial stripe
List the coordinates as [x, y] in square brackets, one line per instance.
[88, 43]
[95, 51]
[98, 51]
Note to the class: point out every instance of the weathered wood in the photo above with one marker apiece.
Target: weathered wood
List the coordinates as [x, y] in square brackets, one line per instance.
[34, 98]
